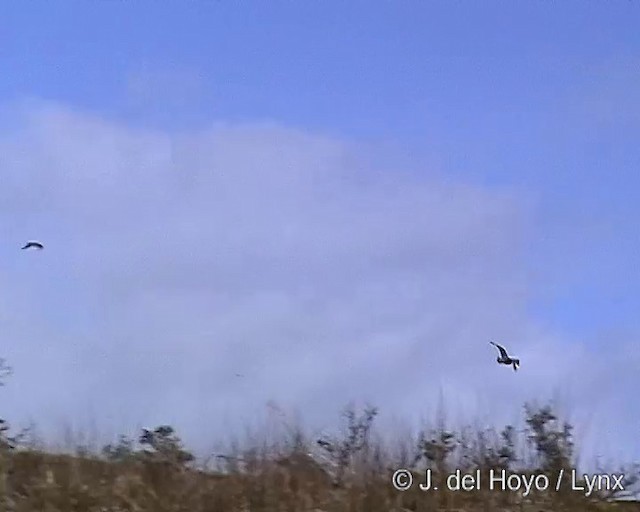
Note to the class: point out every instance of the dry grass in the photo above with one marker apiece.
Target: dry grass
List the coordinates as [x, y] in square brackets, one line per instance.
[349, 473]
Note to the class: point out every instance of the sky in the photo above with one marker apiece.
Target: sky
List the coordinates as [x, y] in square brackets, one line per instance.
[343, 202]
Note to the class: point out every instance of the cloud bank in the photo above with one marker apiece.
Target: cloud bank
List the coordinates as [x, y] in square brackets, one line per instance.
[173, 262]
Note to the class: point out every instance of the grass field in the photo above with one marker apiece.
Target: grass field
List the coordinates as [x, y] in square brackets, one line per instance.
[296, 473]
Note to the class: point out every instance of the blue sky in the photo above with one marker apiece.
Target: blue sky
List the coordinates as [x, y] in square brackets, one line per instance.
[535, 102]
[537, 94]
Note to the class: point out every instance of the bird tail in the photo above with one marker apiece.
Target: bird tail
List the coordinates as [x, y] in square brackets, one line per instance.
[516, 363]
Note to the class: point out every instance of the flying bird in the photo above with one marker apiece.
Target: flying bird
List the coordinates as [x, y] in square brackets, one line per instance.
[33, 244]
[505, 358]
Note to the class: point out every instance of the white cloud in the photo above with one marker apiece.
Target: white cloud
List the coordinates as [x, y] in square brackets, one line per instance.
[173, 262]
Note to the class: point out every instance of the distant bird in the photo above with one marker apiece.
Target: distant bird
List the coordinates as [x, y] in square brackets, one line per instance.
[33, 244]
[325, 444]
[505, 358]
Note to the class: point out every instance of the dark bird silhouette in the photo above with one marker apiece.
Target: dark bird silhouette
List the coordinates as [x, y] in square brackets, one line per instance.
[325, 444]
[505, 358]
[33, 244]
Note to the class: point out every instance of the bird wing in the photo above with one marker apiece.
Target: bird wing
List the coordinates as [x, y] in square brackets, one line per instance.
[33, 244]
[502, 350]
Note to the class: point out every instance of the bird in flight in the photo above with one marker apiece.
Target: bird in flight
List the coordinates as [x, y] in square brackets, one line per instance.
[505, 358]
[33, 244]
